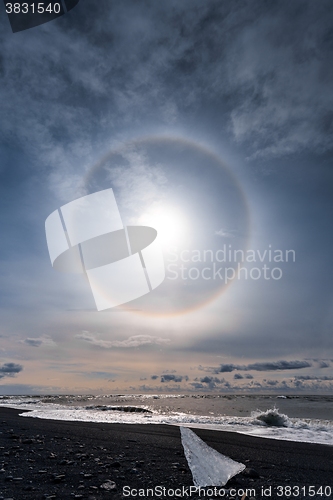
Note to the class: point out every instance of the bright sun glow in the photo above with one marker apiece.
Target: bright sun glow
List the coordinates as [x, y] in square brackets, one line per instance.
[169, 222]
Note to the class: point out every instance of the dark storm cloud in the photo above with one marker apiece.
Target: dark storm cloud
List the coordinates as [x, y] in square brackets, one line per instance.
[210, 380]
[213, 382]
[267, 366]
[168, 377]
[115, 63]
[10, 369]
[228, 368]
[278, 365]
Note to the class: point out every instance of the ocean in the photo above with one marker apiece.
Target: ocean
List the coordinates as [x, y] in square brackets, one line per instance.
[292, 418]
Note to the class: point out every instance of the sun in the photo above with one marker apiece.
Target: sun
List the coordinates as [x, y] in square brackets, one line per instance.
[170, 223]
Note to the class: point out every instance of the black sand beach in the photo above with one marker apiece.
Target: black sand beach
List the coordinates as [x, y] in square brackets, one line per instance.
[43, 459]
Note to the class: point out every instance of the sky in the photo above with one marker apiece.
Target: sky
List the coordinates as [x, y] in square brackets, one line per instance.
[212, 122]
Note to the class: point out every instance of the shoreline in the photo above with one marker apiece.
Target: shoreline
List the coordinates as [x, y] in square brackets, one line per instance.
[43, 459]
[241, 405]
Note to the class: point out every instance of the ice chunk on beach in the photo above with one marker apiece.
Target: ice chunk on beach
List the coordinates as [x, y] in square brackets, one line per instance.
[208, 466]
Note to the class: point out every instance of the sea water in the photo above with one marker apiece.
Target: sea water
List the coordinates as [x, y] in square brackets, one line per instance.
[293, 418]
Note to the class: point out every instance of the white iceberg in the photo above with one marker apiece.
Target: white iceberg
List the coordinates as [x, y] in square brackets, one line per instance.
[208, 466]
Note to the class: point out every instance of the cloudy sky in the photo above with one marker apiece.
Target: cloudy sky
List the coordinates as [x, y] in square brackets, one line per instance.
[212, 122]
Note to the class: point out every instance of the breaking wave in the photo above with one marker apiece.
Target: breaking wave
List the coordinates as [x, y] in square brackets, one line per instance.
[271, 418]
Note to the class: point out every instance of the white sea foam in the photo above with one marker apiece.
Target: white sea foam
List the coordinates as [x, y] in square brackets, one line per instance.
[269, 423]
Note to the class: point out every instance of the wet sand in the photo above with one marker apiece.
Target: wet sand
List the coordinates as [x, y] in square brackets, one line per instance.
[42, 459]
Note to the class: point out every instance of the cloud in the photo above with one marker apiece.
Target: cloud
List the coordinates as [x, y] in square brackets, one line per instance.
[271, 382]
[10, 369]
[266, 366]
[197, 385]
[244, 383]
[168, 377]
[211, 382]
[228, 368]
[131, 342]
[209, 369]
[33, 342]
[270, 93]
[312, 377]
[323, 364]
[274, 94]
[138, 184]
[285, 95]
[40, 341]
[224, 233]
